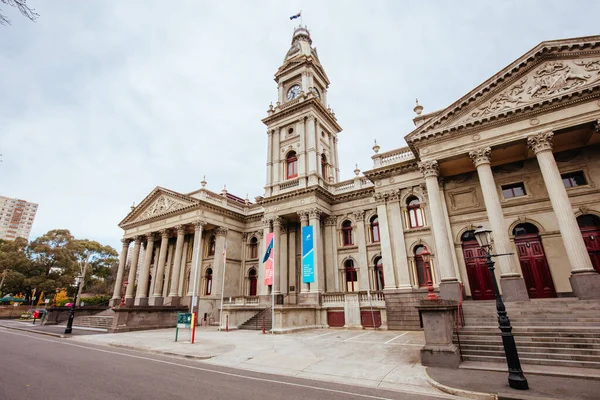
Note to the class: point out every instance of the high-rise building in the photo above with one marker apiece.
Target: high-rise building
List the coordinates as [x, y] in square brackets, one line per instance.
[16, 218]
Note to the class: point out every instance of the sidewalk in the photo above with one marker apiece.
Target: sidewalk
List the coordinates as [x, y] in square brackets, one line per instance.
[384, 359]
[50, 330]
[480, 384]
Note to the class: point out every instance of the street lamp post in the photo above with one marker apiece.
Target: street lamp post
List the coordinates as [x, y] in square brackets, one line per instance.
[69, 327]
[426, 256]
[516, 379]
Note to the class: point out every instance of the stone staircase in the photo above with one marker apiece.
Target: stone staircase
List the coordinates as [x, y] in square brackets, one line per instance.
[256, 322]
[555, 332]
[102, 320]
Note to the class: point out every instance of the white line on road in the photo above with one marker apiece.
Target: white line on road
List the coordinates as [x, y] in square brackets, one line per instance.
[323, 334]
[356, 337]
[3, 330]
[391, 340]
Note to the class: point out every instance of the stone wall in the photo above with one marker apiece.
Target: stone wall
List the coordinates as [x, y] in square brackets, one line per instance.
[141, 318]
[401, 311]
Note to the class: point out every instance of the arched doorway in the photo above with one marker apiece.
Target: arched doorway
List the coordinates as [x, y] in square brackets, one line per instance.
[480, 279]
[351, 276]
[534, 265]
[590, 230]
[378, 270]
[253, 280]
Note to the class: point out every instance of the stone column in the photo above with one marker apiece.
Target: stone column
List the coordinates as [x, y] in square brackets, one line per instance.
[167, 283]
[303, 222]
[156, 299]
[129, 300]
[438, 325]
[262, 288]
[314, 217]
[513, 285]
[301, 153]
[584, 278]
[331, 275]
[116, 299]
[183, 268]
[174, 290]
[219, 264]
[269, 160]
[449, 285]
[275, 133]
[396, 229]
[337, 166]
[277, 222]
[141, 295]
[386, 248]
[196, 259]
[283, 260]
[292, 267]
[311, 150]
[363, 262]
[153, 270]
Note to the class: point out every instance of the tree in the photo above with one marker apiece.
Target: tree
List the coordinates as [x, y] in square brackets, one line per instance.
[89, 252]
[22, 6]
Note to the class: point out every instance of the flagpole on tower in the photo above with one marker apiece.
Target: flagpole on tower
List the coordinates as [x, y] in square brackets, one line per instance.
[300, 17]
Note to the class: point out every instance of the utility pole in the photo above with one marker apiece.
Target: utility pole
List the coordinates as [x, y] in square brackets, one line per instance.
[3, 274]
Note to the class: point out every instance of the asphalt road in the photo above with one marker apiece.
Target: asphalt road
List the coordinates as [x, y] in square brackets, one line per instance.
[41, 367]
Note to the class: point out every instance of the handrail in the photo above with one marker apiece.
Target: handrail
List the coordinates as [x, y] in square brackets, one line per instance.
[460, 319]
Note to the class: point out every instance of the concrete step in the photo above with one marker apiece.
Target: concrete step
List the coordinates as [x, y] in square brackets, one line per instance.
[535, 355]
[553, 330]
[595, 345]
[533, 322]
[534, 361]
[480, 348]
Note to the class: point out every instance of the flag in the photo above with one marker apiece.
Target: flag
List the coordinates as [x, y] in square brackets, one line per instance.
[268, 251]
[296, 16]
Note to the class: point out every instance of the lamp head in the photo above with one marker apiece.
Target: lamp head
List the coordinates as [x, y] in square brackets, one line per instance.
[484, 238]
[426, 255]
[78, 279]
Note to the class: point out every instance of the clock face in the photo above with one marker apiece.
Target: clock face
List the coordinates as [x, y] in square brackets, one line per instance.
[293, 92]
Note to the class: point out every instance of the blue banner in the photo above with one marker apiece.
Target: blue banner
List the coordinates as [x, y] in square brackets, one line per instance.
[308, 255]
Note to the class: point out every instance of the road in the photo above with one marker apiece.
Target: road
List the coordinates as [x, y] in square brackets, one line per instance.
[36, 366]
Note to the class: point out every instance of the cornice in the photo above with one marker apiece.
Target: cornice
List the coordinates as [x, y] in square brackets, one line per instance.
[298, 107]
[391, 170]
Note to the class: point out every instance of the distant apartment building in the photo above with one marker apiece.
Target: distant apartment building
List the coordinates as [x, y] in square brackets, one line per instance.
[16, 218]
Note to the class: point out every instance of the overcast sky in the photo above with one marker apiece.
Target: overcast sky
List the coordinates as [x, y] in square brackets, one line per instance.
[102, 100]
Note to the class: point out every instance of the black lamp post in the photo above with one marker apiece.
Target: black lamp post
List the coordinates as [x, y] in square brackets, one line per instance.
[516, 379]
[69, 327]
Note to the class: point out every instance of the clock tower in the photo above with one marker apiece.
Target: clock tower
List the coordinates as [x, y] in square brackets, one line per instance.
[302, 130]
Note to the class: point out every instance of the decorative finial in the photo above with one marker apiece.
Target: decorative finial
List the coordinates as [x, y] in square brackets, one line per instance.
[418, 108]
[133, 206]
[203, 183]
[376, 147]
[246, 199]
[356, 170]
[224, 191]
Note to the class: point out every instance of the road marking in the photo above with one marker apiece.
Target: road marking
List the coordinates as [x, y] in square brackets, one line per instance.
[356, 337]
[391, 340]
[323, 334]
[3, 330]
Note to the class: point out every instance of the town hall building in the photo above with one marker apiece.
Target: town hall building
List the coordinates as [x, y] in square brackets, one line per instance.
[519, 154]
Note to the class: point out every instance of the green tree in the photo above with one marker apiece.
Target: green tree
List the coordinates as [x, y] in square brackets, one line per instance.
[91, 253]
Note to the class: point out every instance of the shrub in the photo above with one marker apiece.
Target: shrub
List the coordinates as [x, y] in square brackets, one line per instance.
[63, 301]
[95, 300]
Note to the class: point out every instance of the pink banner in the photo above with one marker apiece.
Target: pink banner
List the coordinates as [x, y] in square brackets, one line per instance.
[269, 263]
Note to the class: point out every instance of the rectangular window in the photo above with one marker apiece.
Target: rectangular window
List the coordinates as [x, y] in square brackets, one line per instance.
[573, 179]
[513, 190]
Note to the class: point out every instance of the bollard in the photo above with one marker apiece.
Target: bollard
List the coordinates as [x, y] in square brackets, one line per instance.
[227, 323]
[263, 324]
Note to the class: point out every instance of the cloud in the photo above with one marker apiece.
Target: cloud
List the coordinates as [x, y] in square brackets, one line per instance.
[104, 100]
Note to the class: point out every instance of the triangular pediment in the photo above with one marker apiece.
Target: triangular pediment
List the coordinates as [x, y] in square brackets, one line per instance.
[159, 202]
[548, 73]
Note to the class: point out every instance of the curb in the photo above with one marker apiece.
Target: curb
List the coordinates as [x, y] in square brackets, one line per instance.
[159, 352]
[459, 392]
[58, 335]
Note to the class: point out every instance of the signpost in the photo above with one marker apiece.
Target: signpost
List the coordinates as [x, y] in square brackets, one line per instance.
[184, 320]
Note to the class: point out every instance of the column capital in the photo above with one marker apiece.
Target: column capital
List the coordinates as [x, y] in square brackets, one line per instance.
[150, 236]
[221, 231]
[359, 215]
[303, 215]
[277, 221]
[199, 225]
[126, 242]
[429, 168]
[331, 220]
[314, 213]
[480, 156]
[267, 221]
[137, 239]
[164, 233]
[597, 126]
[259, 234]
[181, 229]
[542, 141]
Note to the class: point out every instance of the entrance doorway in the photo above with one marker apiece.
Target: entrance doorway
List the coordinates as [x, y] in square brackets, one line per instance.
[253, 281]
[590, 230]
[534, 265]
[480, 279]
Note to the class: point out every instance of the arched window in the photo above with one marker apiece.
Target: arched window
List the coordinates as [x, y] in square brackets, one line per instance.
[253, 281]
[379, 281]
[211, 245]
[254, 248]
[208, 278]
[351, 276]
[324, 166]
[375, 229]
[415, 212]
[291, 165]
[347, 237]
[420, 266]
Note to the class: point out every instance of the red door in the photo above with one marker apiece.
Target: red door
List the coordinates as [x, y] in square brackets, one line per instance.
[591, 237]
[534, 266]
[253, 281]
[480, 279]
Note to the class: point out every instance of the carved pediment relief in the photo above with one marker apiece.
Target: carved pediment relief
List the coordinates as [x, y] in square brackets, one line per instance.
[161, 205]
[551, 79]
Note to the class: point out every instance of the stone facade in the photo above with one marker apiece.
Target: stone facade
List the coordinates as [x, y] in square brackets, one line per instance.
[518, 154]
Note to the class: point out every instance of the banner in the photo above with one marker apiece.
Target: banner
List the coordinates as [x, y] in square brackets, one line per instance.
[308, 255]
[269, 262]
